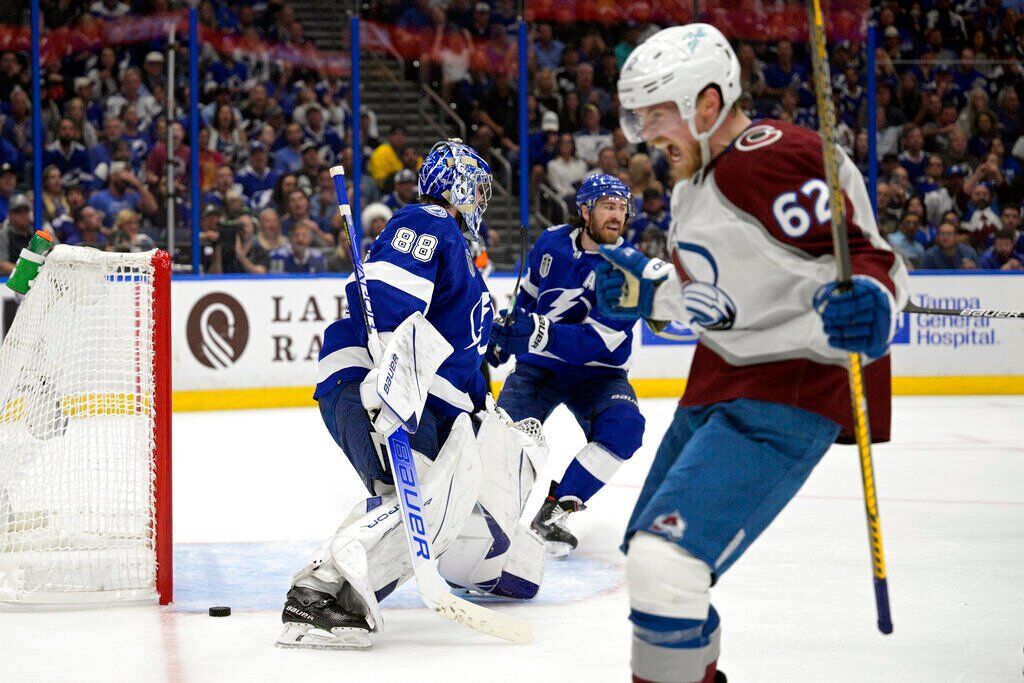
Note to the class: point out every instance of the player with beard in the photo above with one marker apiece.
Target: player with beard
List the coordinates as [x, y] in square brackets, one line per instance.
[568, 353]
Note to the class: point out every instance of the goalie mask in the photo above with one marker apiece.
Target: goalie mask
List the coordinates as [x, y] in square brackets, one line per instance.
[455, 173]
[676, 65]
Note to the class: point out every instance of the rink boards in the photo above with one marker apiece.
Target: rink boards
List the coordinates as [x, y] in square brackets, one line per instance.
[244, 342]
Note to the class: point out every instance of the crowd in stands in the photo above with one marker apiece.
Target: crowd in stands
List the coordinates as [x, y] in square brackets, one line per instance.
[950, 139]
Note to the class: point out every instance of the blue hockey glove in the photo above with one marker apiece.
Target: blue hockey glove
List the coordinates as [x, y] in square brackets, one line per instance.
[522, 333]
[857, 320]
[626, 282]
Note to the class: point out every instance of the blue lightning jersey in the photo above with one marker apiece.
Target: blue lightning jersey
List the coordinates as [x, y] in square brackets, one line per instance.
[419, 263]
[560, 286]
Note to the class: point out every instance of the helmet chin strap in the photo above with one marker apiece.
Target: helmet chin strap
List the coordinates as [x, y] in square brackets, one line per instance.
[704, 139]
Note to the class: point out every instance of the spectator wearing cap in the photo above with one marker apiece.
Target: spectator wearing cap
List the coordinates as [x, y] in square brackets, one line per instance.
[308, 176]
[904, 240]
[15, 232]
[8, 181]
[69, 156]
[592, 137]
[1001, 255]
[154, 76]
[384, 162]
[124, 191]
[404, 192]
[374, 219]
[948, 253]
[546, 49]
[134, 95]
[256, 178]
[327, 141]
[566, 169]
[543, 144]
[288, 155]
[298, 256]
[480, 21]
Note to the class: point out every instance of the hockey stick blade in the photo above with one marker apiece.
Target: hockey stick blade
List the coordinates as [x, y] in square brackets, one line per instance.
[438, 597]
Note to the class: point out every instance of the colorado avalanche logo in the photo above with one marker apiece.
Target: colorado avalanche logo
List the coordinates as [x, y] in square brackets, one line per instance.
[671, 524]
[710, 308]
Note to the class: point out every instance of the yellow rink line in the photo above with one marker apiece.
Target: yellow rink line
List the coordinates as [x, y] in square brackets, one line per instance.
[291, 397]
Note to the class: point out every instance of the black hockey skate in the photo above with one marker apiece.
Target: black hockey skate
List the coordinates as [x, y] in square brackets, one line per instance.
[313, 619]
[550, 524]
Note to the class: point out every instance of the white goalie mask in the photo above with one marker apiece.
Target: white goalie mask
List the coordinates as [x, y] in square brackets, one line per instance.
[676, 65]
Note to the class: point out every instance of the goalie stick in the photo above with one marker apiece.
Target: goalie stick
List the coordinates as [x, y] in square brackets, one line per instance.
[431, 586]
[844, 278]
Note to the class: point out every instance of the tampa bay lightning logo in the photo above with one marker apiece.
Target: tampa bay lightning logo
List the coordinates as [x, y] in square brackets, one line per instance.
[481, 317]
[710, 308]
[566, 303]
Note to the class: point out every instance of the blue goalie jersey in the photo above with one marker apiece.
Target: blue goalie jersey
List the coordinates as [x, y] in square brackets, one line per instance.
[560, 286]
[419, 263]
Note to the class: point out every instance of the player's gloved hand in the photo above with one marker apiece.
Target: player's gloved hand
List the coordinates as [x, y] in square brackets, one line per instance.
[381, 417]
[520, 333]
[627, 265]
[496, 355]
[857, 320]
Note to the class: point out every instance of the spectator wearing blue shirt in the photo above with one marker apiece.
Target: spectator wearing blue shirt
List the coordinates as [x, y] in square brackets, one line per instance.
[913, 157]
[932, 178]
[297, 256]
[405, 190]
[1001, 255]
[784, 73]
[69, 156]
[904, 241]
[948, 253]
[546, 49]
[124, 191]
[256, 178]
[88, 230]
[288, 155]
[327, 141]
[8, 181]
[966, 77]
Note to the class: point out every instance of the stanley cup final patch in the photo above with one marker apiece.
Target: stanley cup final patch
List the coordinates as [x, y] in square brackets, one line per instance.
[670, 524]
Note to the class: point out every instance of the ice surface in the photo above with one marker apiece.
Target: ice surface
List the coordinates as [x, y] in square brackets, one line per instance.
[256, 491]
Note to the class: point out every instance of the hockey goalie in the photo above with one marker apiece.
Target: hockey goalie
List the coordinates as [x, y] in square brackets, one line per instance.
[476, 466]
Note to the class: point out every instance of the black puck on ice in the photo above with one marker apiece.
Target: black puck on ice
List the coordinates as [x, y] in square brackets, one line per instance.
[220, 611]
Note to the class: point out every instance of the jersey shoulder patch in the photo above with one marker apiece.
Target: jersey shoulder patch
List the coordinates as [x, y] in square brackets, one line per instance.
[434, 210]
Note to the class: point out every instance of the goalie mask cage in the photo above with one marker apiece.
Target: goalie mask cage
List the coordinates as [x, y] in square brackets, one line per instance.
[85, 421]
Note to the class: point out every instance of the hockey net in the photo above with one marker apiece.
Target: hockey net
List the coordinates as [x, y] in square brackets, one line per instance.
[85, 433]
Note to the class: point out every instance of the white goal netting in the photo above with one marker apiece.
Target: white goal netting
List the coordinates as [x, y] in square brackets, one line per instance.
[77, 515]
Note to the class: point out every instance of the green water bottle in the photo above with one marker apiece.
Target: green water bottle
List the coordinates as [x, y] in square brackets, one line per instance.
[29, 262]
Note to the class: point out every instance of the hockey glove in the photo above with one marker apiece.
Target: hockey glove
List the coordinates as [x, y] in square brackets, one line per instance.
[381, 417]
[626, 283]
[859, 319]
[522, 333]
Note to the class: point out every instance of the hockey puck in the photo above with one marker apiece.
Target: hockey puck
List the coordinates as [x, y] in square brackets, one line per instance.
[220, 611]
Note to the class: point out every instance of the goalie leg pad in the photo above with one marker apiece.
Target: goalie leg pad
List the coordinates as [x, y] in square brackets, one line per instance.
[368, 558]
[491, 537]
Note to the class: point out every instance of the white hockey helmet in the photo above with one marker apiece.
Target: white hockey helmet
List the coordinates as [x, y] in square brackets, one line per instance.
[676, 65]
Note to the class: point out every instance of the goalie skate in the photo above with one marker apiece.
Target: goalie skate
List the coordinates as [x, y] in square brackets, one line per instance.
[314, 620]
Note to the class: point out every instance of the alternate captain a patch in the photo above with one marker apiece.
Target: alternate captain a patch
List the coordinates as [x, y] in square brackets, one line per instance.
[670, 524]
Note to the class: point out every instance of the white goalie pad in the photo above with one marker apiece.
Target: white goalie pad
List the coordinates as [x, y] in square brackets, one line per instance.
[410, 360]
[511, 454]
[370, 555]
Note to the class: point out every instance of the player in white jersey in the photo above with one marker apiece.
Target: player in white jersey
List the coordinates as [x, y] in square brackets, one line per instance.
[753, 273]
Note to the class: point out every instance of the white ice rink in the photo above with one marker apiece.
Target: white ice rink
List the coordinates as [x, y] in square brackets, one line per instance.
[254, 492]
